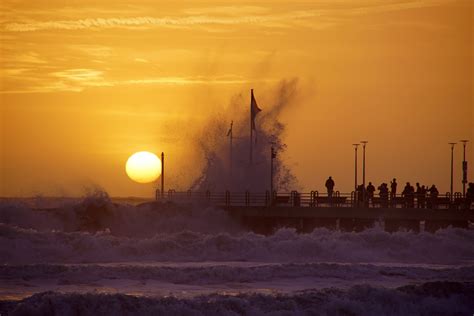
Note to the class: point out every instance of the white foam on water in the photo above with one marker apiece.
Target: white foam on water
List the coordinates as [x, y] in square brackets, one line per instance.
[82, 250]
[448, 246]
[434, 298]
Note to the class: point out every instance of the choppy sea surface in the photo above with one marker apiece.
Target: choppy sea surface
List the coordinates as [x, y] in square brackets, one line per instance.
[94, 256]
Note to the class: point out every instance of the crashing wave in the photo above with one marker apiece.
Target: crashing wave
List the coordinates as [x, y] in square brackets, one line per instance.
[231, 272]
[450, 246]
[432, 298]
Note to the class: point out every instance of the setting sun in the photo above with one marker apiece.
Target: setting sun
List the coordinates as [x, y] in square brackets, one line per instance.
[237, 157]
[143, 167]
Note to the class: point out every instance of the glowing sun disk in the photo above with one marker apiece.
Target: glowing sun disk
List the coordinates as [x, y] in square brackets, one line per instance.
[143, 167]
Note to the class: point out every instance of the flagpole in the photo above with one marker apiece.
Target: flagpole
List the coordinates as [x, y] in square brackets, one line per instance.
[230, 152]
[272, 156]
[251, 129]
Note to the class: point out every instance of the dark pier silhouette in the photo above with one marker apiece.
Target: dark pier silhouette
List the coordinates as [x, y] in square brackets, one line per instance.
[264, 212]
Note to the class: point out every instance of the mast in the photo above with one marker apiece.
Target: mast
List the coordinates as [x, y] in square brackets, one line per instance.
[251, 127]
[229, 133]
[272, 156]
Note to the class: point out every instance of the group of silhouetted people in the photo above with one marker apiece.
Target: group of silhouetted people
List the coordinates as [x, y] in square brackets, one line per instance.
[425, 196]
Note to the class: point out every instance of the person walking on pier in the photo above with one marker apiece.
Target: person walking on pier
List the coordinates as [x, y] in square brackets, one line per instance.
[393, 191]
[383, 194]
[370, 193]
[422, 197]
[330, 186]
[433, 196]
[360, 194]
[418, 195]
[408, 193]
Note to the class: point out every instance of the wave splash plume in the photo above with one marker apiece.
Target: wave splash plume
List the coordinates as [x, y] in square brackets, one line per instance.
[433, 298]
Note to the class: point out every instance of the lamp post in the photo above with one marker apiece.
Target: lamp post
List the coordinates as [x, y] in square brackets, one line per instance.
[464, 167]
[356, 198]
[452, 170]
[364, 143]
[230, 135]
[355, 167]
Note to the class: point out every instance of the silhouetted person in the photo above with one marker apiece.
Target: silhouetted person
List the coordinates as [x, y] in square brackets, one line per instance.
[421, 196]
[383, 194]
[330, 186]
[296, 199]
[393, 191]
[409, 194]
[370, 193]
[469, 195]
[433, 196]
[418, 194]
[412, 196]
[360, 194]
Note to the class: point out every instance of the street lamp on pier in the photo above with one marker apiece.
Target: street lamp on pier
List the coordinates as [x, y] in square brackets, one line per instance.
[364, 143]
[452, 171]
[464, 167]
[356, 146]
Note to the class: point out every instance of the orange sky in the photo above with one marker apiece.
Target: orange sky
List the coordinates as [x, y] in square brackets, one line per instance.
[84, 84]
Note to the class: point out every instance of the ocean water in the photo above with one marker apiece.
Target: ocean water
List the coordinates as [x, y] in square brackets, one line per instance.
[95, 256]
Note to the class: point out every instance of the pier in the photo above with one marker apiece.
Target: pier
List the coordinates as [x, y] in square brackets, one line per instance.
[265, 212]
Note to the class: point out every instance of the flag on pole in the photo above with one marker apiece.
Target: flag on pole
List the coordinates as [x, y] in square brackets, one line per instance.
[254, 110]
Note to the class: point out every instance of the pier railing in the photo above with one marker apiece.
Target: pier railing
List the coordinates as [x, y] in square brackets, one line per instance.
[313, 199]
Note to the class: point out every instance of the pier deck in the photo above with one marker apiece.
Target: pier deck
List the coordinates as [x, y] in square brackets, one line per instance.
[263, 212]
[345, 212]
[266, 220]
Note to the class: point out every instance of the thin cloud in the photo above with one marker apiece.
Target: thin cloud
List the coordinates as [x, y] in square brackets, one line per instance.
[313, 17]
[227, 10]
[170, 80]
[152, 21]
[76, 80]
[94, 50]
[28, 58]
[80, 75]
[141, 60]
[14, 71]
[382, 7]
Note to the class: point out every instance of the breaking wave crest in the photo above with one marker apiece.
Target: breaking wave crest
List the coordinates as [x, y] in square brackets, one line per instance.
[432, 298]
[231, 272]
[98, 230]
[447, 246]
[98, 213]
